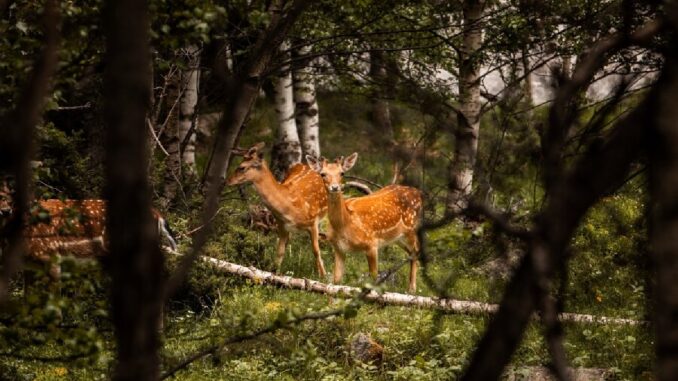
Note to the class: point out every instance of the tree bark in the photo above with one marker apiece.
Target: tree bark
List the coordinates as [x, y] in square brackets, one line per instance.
[306, 104]
[17, 145]
[663, 151]
[381, 111]
[287, 149]
[468, 120]
[596, 174]
[245, 88]
[188, 123]
[390, 298]
[136, 262]
[172, 142]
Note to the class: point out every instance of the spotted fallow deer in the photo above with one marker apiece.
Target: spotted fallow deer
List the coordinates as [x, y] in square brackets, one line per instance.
[390, 215]
[299, 202]
[70, 228]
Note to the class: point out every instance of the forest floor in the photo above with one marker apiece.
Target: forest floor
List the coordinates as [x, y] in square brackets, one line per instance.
[418, 344]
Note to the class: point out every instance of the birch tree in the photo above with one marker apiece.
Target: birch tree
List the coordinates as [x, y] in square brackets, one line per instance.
[468, 119]
[287, 149]
[188, 123]
[172, 141]
[306, 105]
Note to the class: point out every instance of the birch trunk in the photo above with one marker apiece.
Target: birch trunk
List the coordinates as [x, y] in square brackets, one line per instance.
[287, 149]
[468, 120]
[172, 141]
[389, 298]
[306, 104]
[188, 123]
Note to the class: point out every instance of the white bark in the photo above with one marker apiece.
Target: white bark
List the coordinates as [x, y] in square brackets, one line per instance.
[468, 121]
[190, 82]
[288, 148]
[172, 141]
[306, 106]
[390, 298]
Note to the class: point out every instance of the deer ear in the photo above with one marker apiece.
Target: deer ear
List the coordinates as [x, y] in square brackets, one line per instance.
[255, 151]
[314, 163]
[349, 162]
[239, 151]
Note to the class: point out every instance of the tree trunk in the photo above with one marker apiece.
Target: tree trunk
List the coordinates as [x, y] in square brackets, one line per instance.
[245, 88]
[528, 85]
[663, 151]
[287, 149]
[172, 141]
[136, 262]
[306, 105]
[188, 123]
[468, 120]
[467, 307]
[17, 144]
[601, 169]
[381, 112]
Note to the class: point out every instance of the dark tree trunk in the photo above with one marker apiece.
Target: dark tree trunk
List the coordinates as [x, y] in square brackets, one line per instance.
[663, 151]
[601, 169]
[17, 144]
[381, 111]
[136, 263]
[245, 88]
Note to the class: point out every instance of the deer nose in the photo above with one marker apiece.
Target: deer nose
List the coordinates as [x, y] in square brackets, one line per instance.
[334, 188]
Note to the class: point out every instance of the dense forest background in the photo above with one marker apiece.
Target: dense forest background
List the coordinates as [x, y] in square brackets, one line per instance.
[542, 135]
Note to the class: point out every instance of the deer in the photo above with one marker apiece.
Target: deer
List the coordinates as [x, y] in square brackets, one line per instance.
[298, 203]
[365, 224]
[74, 228]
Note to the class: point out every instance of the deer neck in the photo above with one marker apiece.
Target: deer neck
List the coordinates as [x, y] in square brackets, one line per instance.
[337, 210]
[273, 194]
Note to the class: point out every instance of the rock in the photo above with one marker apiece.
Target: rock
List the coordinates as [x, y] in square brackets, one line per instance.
[365, 349]
[502, 267]
[540, 373]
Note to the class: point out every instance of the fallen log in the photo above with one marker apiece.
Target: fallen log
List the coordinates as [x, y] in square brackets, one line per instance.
[390, 298]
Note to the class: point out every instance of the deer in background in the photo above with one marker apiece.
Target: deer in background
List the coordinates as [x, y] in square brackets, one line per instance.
[69, 227]
[390, 215]
[299, 202]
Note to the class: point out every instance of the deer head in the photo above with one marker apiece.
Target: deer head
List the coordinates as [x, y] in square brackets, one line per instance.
[332, 173]
[250, 168]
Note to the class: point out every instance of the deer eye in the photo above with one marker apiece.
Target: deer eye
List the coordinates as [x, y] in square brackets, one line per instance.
[341, 173]
[240, 169]
[323, 175]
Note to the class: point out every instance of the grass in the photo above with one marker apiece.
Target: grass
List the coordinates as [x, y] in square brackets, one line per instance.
[605, 278]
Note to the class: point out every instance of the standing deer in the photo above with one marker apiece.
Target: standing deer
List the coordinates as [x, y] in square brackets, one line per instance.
[70, 227]
[299, 202]
[392, 214]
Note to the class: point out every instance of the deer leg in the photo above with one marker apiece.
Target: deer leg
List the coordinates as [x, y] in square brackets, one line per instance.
[413, 250]
[338, 265]
[283, 237]
[372, 258]
[316, 250]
